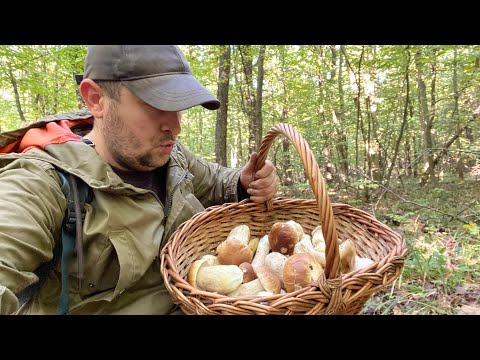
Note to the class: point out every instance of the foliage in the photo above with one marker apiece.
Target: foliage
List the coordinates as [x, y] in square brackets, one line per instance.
[43, 75]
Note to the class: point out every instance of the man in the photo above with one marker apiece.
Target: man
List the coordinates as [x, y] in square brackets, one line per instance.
[144, 185]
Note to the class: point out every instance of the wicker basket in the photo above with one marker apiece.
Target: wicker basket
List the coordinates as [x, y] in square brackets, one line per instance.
[333, 293]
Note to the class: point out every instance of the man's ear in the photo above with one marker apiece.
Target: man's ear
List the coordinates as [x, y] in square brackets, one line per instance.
[93, 96]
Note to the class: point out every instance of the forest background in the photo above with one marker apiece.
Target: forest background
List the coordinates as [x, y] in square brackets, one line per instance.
[394, 129]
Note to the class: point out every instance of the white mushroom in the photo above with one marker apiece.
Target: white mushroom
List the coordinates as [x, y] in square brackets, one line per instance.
[347, 256]
[263, 248]
[205, 260]
[306, 246]
[222, 279]
[276, 262]
[248, 289]
[269, 280]
[362, 263]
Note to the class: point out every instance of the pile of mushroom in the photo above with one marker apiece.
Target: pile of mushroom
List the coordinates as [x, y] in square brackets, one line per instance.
[284, 260]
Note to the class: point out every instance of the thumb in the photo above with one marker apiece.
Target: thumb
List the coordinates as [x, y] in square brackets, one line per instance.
[252, 161]
[251, 165]
[248, 172]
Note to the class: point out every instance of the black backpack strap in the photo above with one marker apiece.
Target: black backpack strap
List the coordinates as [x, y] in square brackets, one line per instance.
[72, 233]
[77, 193]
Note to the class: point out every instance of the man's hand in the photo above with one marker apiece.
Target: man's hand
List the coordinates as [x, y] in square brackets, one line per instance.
[262, 185]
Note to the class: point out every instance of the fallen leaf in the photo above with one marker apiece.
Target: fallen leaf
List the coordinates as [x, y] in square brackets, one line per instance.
[397, 311]
[460, 290]
[469, 310]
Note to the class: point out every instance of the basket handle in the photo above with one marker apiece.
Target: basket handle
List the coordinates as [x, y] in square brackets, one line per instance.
[317, 184]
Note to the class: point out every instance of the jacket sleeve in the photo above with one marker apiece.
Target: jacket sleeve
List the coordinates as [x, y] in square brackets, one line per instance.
[213, 184]
[31, 213]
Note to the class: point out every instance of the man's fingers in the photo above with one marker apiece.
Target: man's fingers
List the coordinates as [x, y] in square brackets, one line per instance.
[260, 196]
[264, 187]
[263, 183]
[267, 169]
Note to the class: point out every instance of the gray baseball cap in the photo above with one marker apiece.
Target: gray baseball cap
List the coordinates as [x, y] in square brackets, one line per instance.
[158, 74]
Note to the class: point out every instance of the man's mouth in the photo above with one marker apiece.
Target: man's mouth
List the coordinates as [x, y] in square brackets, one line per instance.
[167, 147]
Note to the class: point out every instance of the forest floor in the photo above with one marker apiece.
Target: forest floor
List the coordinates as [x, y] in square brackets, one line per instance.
[441, 227]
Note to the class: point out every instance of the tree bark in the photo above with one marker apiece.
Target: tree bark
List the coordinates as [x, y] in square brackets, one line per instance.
[341, 146]
[224, 65]
[455, 114]
[258, 120]
[404, 121]
[249, 97]
[356, 101]
[436, 159]
[425, 119]
[23, 120]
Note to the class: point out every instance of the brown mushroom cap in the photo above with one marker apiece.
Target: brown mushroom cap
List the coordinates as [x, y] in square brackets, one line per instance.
[298, 228]
[283, 237]
[300, 270]
[234, 252]
[269, 279]
[248, 272]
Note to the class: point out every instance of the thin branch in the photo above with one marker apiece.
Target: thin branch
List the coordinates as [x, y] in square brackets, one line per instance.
[419, 205]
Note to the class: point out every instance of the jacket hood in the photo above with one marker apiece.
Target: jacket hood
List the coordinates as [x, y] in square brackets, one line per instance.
[56, 129]
[54, 140]
[53, 133]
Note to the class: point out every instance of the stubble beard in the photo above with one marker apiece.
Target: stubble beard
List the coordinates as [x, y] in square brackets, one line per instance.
[123, 145]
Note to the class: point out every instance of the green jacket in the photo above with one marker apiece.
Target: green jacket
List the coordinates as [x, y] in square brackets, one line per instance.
[124, 228]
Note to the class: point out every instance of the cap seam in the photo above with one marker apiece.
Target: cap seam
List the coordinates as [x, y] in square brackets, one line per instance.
[152, 75]
[180, 58]
[124, 54]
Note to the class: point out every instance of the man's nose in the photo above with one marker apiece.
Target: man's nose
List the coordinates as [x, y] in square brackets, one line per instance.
[171, 122]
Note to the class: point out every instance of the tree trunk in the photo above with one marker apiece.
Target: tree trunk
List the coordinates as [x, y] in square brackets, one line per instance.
[248, 96]
[374, 168]
[224, 65]
[258, 121]
[455, 114]
[404, 121]
[341, 146]
[23, 120]
[425, 119]
[359, 129]
[340, 137]
[285, 172]
[445, 147]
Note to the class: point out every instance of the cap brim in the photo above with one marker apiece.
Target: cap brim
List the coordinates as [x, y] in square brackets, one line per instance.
[175, 92]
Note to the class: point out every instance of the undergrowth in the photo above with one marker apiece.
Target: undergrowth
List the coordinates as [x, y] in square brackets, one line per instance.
[441, 227]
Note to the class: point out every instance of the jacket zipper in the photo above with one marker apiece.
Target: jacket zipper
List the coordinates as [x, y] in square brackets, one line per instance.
[170, 198]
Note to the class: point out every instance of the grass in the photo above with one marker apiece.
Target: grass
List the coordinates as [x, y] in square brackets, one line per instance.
[441, 226]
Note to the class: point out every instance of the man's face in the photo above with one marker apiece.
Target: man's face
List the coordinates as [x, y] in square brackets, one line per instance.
[138, 136]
